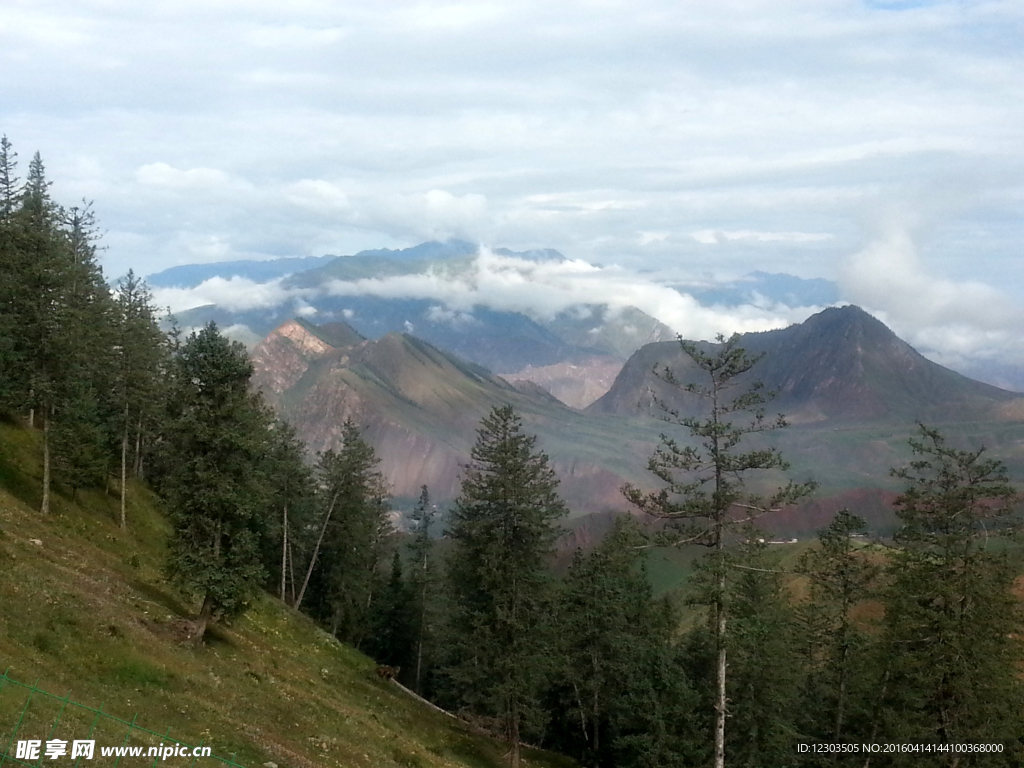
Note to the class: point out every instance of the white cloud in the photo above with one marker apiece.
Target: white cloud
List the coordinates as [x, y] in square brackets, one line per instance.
[953, 321]
[638, 134]
[888, 275]
[164, 175]
[545, 288]
[715, 236]
[317, 195]
[236, 294]
[439, 314]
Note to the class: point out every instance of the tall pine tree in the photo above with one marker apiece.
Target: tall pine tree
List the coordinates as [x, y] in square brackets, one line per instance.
[502, 528]
[140, 352]
[354, 530]
[834, 644]
[422, 579]
[215, 445]
[619, 696]
[705, 495]
[952, 622]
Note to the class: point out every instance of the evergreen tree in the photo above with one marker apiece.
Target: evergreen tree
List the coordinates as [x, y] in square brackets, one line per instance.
[762, 685]
[421, 582]
[705, 497]
[289, 491]
[835, 647]
[216, 439]
[140, 352]
[10, 188]
[951, 618]
[353, 536]
[13, 374]
[391, 641]
[40, 307]
[502, 528]
[620, 698]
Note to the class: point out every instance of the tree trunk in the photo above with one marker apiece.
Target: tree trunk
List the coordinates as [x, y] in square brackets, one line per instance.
[124, 470]
[291, 570]
[719, 543]
[284, 550]
[720, 700]
[422, 628]
[138, 450]
[316, 552]
[45, 507]
[513, 737]
[720, 667]
[205, 614]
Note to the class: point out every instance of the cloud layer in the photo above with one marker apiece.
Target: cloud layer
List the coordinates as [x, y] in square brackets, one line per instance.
[959, 325]
[677, 143]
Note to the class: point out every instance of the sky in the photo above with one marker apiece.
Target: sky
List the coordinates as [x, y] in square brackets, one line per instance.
[878, 144]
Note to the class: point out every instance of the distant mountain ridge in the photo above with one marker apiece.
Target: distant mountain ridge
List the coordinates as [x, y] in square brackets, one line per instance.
[191, 275]
[841, 364]
[420, 408]
[849, 386]
[501, 340]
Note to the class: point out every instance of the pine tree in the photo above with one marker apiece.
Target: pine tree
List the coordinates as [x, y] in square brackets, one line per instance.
[216, 440]
[834, 645]
[289, 490]
[502, 528]
[353, 536]
[140, 354]
[13, 373]
[84, 408]
[951, 618]
[422, 580]
[619, 697]
[40, 308]
[10, 189]
[391, 641]
[705, 495]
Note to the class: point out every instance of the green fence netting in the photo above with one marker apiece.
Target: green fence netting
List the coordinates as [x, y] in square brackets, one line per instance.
[30, 714]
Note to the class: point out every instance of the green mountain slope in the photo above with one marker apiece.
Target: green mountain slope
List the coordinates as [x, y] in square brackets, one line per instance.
[85, 610]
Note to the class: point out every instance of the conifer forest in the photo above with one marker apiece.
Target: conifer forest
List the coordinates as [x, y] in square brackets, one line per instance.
[911, 639]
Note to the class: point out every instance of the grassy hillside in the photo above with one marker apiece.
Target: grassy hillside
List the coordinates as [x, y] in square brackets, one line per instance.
[85, 610]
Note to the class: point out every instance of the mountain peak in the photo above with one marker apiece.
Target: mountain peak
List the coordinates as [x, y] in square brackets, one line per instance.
[283, 357]
[841, 364]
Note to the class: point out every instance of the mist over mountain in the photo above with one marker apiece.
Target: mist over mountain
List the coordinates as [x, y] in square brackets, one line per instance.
[765, 287]
[366, 292]
[509, 310]
[191, 275]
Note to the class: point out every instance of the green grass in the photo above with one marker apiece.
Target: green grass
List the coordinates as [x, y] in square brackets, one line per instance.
[88, 612]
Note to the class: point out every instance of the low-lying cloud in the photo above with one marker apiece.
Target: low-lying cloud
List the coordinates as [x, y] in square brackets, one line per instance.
[540, 289]
[957, 324]
[952, 321]
[236, 294]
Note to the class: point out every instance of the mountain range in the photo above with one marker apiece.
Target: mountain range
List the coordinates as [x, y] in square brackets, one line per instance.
[851, 388]
[553, 332]
[593, 338]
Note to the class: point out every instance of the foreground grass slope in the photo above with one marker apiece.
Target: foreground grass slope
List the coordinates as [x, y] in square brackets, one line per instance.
[85, 610]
